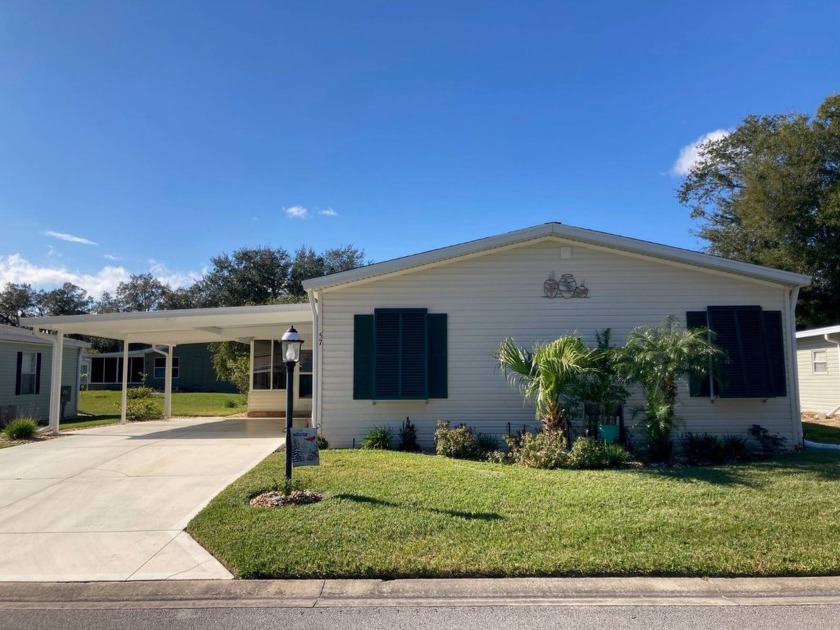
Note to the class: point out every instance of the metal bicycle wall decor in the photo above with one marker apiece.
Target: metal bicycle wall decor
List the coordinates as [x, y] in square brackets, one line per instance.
[566, 287]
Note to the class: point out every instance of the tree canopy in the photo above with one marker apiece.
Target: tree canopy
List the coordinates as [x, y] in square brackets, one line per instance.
[769, 193]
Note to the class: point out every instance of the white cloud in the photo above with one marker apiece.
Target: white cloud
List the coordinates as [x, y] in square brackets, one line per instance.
[297, 212]
[329, 212]
[69, 237]
[16, 269]
[111, 257]
[174, 279]
[690, 154]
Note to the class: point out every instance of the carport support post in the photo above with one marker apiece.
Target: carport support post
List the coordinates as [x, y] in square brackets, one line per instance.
[124, 402]
[55, 380]
[167, 388]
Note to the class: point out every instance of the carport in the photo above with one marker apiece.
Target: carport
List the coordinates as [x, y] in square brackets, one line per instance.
[163, 330]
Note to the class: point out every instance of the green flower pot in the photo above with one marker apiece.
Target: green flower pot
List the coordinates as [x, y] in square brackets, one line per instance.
[608, 432]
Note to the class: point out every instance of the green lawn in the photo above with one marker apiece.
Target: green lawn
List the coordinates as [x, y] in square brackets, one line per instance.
[103, 407]
[821, 433]
[389, 515]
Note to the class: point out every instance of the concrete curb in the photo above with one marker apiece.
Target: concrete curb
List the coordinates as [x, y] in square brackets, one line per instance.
[437, 593]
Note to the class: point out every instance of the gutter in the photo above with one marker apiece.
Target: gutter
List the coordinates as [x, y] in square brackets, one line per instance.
[793, 377]
[316, 359]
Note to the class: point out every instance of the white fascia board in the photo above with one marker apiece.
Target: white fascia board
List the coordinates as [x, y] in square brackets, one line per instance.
[24, 335]
[591, 237]
[818, 332]
[66, 321]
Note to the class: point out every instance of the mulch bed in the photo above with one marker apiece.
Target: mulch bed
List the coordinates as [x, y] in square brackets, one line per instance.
[275, 498]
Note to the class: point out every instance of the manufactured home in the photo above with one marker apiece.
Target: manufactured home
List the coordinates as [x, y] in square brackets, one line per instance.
[415, 336]
[818, 363]
[25, 372]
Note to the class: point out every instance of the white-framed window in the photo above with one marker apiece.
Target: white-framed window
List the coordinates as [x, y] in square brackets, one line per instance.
[28, 373]
[160, 367]
[819, 361]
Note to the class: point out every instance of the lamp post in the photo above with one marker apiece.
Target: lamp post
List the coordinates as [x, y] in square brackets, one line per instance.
[290, 344]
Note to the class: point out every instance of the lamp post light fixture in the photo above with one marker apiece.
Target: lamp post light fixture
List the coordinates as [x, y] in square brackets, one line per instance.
[290, 346]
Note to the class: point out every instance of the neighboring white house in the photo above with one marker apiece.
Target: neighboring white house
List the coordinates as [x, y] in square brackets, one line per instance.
[25, 368]
[414, 337]
[818, 360]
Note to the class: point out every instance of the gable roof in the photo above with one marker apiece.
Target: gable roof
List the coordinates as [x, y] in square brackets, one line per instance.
[818, 332]
[13, 334]
[567, 233]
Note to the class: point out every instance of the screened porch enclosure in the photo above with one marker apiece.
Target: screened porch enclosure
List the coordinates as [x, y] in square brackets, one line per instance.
[268, 378]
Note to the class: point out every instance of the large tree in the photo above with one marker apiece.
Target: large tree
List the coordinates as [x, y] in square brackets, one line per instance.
[252, 275]
[16, 301]
[769, 193]
[68, 299]
[308, 264]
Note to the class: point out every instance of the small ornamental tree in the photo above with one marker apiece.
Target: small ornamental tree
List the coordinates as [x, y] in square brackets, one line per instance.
[656, 358]
[548, 375]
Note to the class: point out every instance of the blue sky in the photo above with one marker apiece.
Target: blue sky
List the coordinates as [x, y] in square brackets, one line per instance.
[139, 136]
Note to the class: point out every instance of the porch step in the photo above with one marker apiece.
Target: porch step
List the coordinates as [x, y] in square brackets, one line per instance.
[278, 414]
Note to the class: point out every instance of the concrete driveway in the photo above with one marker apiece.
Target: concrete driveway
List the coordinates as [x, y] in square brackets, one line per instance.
[111, 503]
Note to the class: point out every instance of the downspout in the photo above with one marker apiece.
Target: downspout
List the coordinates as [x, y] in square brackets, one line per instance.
[796, 413]
[828, 338]
[316, 360]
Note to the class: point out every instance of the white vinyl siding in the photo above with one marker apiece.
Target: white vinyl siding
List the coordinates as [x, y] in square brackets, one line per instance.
[818, 392]
[36, 405]
[499, 294]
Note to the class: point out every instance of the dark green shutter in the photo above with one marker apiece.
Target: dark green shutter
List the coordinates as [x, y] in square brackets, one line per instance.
[387, 336]
[697, 385]
[740, 332]
[363, 357]
[775, 344]
[413, 368]
[19, 373]
[438, 362]
[38, 373]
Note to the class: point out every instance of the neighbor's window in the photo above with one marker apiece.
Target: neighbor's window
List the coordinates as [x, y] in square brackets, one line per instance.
[819, 361]
[28, 373]
[160, 367]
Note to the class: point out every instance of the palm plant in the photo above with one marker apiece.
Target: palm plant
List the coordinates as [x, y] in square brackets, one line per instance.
[657, 358]
[547, 375]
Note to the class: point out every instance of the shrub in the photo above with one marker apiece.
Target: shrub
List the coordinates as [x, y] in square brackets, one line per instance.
[408, 437]
[702, 448]
[735, 447]
[485, 444]
[323, 444]
[231, 404]
[615, 455]
[21, 429]
[768, 443]
[139, 393]
[500, 457]
[586, 452]
[543, 450]
[142, 409]
[378, 438]
[458, 443]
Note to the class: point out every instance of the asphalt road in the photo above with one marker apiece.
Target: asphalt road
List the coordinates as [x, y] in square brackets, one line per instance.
[467, 618]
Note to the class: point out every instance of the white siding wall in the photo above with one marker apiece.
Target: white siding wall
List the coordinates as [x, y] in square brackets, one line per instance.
[818, 392]
[500, 294]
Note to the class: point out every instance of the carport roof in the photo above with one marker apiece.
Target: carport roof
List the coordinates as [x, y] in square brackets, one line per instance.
[200, 325]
